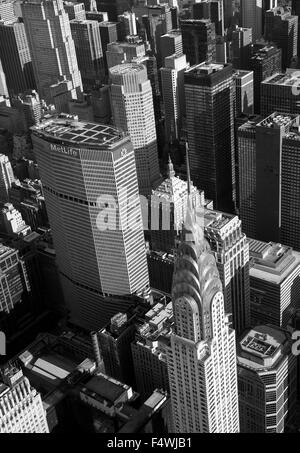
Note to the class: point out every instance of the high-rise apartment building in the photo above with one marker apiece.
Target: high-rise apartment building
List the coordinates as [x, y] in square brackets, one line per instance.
[87, 171]
[51, 45]
[267, 378]
[231, 251]
[244, 92]
[274, 282]
[6, 177]
[241, 47]
[87, 40]
[202, 356]
[209, 94]
[280, 93]
[14, 279]
[133, 112]
[16, 57]
[172, 87]
[21, 406]
[251, 16]
[282, 29]
[199, 40]
[265, 61]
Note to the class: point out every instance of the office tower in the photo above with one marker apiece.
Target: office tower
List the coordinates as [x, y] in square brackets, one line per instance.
[267, 379]
[99, 264]
[251, 17]
[168, 205]
[231, 251]
[199, 40]
[16, 58]
[149, 350]
[6, 177]
[274, 282]
[171, 44]
[228, 13]
[244, 92]
[125, 52]
[280, 93]
[3, 84]
[75, 10]
[210, 9]
[172, 87]
[127, 26]
[209, 94]
[113, 7]
[97, 15]
[266, 5]
[30, 106]
[246, 163]
[282, 29]
[157, 23]
[12, 223]
[7, 13]
[241, 47]
[21, 407]
[108, 33]
[203, 393]
[114, 342]
[53, 60]
[132, 108]
[87, 40]
[269, 191]
[14, 279]
[265, 61]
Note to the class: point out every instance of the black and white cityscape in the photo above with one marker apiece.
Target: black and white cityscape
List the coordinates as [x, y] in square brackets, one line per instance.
[149, 218]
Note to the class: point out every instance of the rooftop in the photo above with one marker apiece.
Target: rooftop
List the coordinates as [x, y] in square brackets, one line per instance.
[205, 68]
[105, 388]
[127, 68]
[277, 120]
[67, 128]
[272, 262]
[289, 78]
[262, 347]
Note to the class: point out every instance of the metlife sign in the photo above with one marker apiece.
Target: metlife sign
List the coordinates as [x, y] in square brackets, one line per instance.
[73, 152]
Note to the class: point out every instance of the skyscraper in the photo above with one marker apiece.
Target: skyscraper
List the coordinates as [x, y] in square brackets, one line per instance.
[210, 9]
[231, 251]
[6, 177]
[113, 7]
[171, 44]
[267, 376]
[133, 112]
[251, 16]
[265, 61]
[51, 45]
[268, 188]
[21, 407]
[202, 357]
[87, 40]
[241, 47]
[280, 93]
[209, 94]
[275, 283]
[172, 82]
[199, 40]
[16, 58]
[244, 92]
[3, 84]
[282, 28]
[88, 171]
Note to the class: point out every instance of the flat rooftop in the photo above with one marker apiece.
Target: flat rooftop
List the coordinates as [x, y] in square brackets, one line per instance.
[68, 129]
[106, 388]
[272, 262]
[284, 79]
[262, 347]
[205, 68]
[277, 120]
[127, 68]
